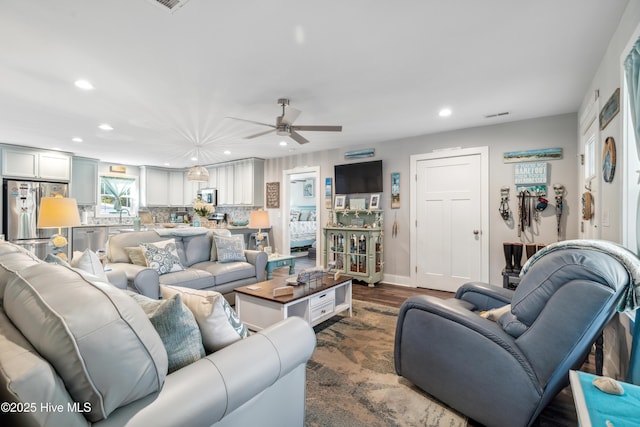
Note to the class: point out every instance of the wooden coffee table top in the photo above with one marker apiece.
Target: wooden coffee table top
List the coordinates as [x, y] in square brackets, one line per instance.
[299, 291]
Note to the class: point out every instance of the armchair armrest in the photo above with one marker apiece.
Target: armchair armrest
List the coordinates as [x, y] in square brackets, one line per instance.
[484, 296]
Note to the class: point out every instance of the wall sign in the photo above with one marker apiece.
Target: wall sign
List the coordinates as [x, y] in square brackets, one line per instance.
[530, 173]
[273, 195]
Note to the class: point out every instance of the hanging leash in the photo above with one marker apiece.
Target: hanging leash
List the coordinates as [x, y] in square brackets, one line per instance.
[504, 210]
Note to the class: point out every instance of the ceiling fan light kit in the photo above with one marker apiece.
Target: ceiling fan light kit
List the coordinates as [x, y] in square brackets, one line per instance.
[284, 124]
[198, 174]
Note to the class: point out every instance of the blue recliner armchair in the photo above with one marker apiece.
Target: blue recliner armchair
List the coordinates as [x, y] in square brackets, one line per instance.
[504, 372]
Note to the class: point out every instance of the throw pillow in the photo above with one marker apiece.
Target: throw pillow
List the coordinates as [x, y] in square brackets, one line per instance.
[230, 248]
[177, 328]
[88, 261]
[294, 215]
[219, 324]
[136, 255]
[162, 256]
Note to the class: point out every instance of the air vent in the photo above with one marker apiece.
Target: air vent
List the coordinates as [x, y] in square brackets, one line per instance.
[169, 5]
[490, 116]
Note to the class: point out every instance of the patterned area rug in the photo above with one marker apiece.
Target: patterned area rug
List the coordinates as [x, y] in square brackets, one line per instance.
[351, 379]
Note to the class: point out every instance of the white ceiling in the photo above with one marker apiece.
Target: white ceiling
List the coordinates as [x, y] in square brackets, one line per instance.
[382, 69]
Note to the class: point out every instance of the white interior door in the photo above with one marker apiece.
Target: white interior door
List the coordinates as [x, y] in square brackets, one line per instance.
[591, 165]
[450, 246]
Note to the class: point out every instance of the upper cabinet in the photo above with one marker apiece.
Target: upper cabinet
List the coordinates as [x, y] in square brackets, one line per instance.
[29, 163]
[239, 183]
[84, 180]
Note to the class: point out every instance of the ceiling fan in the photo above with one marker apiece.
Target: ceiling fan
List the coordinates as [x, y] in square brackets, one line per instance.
[284, 124]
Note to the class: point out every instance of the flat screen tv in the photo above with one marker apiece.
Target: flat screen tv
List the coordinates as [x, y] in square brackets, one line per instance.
[355, 178]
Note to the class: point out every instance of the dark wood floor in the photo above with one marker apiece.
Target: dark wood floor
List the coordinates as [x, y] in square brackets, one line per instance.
[559, 413]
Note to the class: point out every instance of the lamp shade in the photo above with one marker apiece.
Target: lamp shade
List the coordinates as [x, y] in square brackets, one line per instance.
[198, 174]
[259, 219]
[56, 212]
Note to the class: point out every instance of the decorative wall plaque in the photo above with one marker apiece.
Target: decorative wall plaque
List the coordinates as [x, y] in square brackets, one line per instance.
[273, 195]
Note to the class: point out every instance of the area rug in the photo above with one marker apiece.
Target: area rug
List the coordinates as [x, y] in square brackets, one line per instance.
[351, 379]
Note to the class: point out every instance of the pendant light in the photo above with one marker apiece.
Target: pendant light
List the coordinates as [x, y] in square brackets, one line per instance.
[198, 173]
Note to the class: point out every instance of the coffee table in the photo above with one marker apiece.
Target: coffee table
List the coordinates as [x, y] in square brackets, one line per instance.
[258, 308]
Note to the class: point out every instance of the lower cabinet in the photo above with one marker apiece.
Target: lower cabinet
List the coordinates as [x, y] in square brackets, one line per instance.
[357, 252]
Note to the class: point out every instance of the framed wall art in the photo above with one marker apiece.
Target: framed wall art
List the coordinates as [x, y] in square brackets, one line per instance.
[339, 202]
[395, 190]
[374, 202]
[328, 192]
[273, 195]
[610, 109]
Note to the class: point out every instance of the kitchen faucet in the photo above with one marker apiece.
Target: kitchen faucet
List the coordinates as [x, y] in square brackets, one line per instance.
[120, 214]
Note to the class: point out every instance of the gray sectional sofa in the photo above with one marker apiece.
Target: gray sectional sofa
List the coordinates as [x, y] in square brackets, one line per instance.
[77, 352]
[197, 251]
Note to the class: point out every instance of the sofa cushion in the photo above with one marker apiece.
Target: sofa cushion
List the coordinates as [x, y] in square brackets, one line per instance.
[136, 255]
[230, 249]
[190, 277]
[96, 337]
[177, 328]
[162, 256]
[227, 272]
[88, 261]
[219, 324]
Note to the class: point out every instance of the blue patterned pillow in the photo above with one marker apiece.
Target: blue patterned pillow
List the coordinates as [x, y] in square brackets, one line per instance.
[230, 248]
[162, 256]
[177, 328]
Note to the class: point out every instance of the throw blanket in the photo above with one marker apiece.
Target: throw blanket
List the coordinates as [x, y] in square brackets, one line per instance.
[631, 296]
[181, 232]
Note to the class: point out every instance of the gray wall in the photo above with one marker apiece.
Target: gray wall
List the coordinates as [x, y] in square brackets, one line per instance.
[617, 336]
[548, 132]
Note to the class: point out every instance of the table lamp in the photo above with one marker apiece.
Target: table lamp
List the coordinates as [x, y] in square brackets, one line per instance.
[58, 212]
[259, 219]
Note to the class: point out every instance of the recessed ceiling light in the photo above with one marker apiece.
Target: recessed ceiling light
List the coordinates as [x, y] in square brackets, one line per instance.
[227, 152]
[167, 164]
[283, 143]
[57, 148]
[83, 84]
[76, 139]
[194, 159]
[445, 112]
[105, 126]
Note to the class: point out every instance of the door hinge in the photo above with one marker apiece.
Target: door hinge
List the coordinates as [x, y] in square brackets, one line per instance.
[416, 268]
[582, 159]
[581, 227]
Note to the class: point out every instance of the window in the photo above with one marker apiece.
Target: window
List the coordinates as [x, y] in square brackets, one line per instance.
[118, 196]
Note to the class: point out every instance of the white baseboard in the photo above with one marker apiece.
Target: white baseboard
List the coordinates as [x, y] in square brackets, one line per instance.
[394, 279]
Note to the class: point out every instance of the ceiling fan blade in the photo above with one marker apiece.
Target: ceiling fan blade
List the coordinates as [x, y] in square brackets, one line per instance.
[260, 134]
[298, 138]
[318, 128]
[290, 116]
[251, 121]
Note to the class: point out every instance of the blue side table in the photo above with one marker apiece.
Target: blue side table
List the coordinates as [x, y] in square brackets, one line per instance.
[279, 261]
[595, 407]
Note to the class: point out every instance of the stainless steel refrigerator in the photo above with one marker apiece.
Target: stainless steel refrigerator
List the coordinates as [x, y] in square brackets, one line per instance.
[21, 201]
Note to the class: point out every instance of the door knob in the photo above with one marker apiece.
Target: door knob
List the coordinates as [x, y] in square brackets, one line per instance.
[476, 232]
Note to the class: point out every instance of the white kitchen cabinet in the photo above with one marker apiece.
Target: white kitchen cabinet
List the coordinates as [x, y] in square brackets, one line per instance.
[176, 188]
[154, 186]
[54, 166]
[190, 190]
[239, 183]
[84, 180]
[27, 163]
